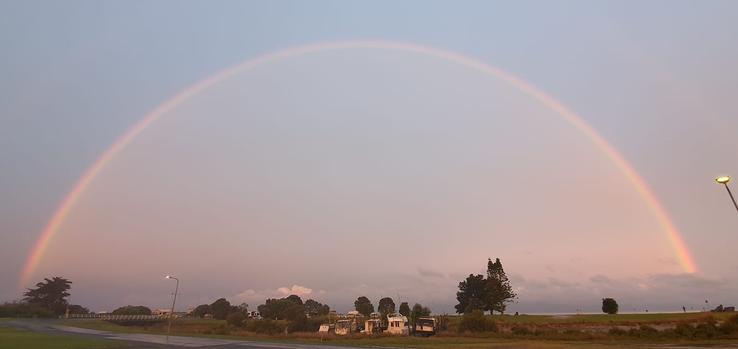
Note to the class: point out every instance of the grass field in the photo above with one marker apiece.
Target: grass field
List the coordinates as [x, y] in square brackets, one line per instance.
[556, 339]
[651, 318]
[11, 338]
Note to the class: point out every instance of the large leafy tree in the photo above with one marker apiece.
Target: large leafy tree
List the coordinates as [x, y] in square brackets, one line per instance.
[315, 308]
[282, 308]
[499, 291]
[491, 293]
[50, 294]
[385, 307]
[201, 310]
[404, 309]
[132, 310]
[221, 308]
[472, 294]
[294, 299]
[364, 306]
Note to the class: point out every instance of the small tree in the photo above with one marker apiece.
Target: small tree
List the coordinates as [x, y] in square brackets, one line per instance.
[221, 308]
[201, 310]
[77, 309]
[404, 309]
[609, 306]
[364, 306]
[418, 312]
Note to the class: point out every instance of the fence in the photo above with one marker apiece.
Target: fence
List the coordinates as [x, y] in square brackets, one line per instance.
[116, 317]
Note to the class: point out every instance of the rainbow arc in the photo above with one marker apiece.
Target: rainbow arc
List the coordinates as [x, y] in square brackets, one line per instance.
[51, 229]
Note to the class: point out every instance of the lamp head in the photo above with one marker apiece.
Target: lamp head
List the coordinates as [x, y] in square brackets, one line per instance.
[723, 179]
[168, 277]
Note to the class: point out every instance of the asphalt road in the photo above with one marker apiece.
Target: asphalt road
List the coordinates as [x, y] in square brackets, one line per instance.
[154, 341]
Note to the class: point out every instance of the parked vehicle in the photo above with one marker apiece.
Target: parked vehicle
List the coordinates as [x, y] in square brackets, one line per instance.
[397, 324]
[425, 326]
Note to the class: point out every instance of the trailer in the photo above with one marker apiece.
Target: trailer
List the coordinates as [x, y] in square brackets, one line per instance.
[425, 326]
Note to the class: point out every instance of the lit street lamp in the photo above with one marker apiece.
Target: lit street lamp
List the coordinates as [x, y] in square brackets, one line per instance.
[724, 181]
[171, 312]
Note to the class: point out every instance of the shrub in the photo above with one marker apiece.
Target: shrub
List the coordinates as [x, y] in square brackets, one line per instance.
[609, 306]
[684, 330]
[730, 326]
[221, 329]
[16, 309]
[303, 324]
[520, 330]
[236, 319]
[141, 323]
[265, 326]
[477, 322]
[132, 310]
[644, 331]
[706, 329]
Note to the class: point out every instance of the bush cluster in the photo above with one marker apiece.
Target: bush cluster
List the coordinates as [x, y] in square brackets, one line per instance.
[266, 326]
[475, 321]
[17, 309]
[236, 319]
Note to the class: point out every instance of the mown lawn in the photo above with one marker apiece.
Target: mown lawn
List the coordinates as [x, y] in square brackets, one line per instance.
[11, 338]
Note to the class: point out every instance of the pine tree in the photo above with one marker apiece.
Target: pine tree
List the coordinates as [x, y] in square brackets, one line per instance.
[499, 292]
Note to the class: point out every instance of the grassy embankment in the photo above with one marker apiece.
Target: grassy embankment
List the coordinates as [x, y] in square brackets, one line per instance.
[11, 338]
[540, 331]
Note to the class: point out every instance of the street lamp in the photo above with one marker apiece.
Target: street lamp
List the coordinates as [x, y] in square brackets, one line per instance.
[724, 181]
[171, 312]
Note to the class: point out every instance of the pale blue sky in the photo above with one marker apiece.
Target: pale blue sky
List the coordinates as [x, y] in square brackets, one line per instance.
[657, 79]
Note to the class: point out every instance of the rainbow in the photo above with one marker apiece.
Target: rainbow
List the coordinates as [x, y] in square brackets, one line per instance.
[52, 227]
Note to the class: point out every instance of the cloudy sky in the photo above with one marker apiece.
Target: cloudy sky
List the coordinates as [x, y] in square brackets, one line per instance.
[372, 171]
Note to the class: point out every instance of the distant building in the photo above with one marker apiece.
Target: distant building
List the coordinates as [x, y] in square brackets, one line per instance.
[397, 324]
[161, 312]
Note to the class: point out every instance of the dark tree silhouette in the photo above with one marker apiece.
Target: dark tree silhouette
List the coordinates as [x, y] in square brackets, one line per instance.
[50, 294]
[404, 309]
[472, 294]
[499, 291]
[132, 310]
[364, 306]
[609, 306]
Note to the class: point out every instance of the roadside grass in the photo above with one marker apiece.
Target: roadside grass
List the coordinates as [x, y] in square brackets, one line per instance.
[652, 318]
[11, 338]
[438, 342]
[569, 338]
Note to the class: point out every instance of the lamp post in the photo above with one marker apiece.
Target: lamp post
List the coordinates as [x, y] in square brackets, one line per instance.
[724, 181]
[171, 312]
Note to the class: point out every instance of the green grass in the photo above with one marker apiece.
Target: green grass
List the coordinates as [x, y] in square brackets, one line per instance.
[198, 328]
[11, 338]
[652, 318]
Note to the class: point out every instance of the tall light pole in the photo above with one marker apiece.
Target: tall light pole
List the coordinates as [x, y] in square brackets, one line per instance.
[724, 181]
[171, 312]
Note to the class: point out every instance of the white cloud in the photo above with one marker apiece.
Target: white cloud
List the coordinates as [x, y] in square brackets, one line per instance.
[252, 296]
[296, 290]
